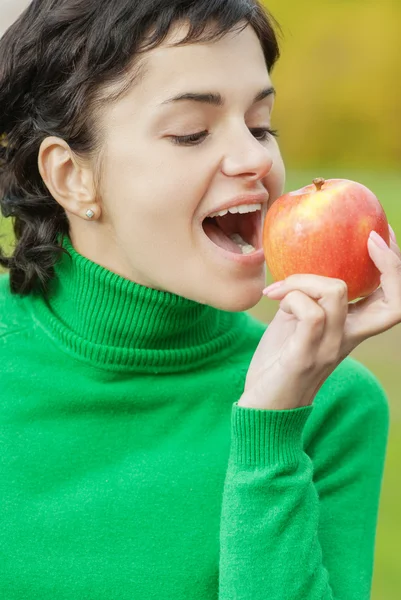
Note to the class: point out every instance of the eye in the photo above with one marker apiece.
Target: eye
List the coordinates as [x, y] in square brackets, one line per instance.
[265, 133]
[194, 139]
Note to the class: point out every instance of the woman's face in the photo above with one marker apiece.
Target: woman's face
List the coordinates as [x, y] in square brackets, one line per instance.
[155, 193]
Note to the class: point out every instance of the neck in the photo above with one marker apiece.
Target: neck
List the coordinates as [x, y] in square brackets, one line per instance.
[119, 324]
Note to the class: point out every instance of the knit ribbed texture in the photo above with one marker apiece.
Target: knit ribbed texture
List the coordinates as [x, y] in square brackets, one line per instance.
[129, 472]
[129, 326]
[263, 437]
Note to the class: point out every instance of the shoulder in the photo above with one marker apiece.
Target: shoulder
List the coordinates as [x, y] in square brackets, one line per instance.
[14, 315]
[352, 383]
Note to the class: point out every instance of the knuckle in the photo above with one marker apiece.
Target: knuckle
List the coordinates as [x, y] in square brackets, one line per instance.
[307, 366]
[316, 317]
[333, 351]
[398, 268]
[290, 279]
[340, 289]
[330, 359]
[397, 317]
[293, 297]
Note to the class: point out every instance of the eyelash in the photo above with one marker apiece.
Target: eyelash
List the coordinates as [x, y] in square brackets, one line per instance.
[193, 138]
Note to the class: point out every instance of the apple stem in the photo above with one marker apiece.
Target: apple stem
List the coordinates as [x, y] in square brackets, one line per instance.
[319, 181]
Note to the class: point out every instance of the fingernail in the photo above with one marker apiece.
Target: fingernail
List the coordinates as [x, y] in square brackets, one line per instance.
[392, 234]
[272, 288]
[378, 240]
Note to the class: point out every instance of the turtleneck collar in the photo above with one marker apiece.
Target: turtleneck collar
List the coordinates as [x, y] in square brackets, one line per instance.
[118, 324]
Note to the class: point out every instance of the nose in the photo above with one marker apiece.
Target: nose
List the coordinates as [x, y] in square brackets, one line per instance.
[247, 157]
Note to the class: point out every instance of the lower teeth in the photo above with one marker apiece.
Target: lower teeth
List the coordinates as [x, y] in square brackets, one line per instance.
[245, 247]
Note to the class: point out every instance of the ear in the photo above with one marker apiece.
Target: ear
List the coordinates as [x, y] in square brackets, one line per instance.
[68, 179]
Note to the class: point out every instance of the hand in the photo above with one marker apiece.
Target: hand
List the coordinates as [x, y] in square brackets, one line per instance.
[315, 329]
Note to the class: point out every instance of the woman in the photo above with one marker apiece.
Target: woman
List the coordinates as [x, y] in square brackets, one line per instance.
[158, 441]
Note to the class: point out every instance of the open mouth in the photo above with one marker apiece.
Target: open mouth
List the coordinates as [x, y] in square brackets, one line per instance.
[240, 233]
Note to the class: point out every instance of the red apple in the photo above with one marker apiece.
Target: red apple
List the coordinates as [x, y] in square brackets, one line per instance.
[323, 229]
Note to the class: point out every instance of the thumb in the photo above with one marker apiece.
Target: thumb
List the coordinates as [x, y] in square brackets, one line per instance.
[388, 263]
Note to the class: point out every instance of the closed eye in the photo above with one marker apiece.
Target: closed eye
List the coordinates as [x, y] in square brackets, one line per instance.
[194, 139]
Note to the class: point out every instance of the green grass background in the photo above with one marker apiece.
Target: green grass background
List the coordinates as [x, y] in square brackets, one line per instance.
[381, 354]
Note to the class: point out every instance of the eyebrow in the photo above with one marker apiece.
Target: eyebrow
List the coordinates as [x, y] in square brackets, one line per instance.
[216, 99]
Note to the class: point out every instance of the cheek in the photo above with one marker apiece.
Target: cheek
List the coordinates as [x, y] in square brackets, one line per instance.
[275, 180]
[146, 186]
[147, 205]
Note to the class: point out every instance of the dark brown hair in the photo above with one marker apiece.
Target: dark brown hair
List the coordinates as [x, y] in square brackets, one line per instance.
[60, 62]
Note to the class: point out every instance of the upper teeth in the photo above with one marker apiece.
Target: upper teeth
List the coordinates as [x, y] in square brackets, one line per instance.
[242, 208]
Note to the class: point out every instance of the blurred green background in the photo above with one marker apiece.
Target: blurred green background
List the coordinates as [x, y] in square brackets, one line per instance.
[338, 111]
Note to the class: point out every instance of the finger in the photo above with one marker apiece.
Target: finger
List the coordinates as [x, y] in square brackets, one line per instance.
[310, 327]
[393, 237]
[315, 286]
[332, 295]
[382, 309]
[388, 263]
[395, 248]
[335, 305]
[393, 242]
[378, 294]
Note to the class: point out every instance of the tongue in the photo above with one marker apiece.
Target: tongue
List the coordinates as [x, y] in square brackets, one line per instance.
[218, 236]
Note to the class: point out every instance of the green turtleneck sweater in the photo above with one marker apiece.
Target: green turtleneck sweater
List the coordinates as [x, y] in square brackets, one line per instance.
[129, 472]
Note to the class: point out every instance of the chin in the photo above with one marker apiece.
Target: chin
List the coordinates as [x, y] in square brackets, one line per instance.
[236, 300]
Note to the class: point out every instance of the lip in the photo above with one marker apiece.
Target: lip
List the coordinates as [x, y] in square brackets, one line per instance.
[261, 198]
[256, 258]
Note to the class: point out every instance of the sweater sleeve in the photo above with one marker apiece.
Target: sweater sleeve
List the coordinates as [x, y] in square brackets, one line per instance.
[301, 497]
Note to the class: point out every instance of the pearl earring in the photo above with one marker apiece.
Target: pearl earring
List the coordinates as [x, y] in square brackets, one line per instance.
[90, 214]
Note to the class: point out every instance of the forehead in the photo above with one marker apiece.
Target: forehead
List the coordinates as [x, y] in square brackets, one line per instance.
[231, 64]
[233, 67]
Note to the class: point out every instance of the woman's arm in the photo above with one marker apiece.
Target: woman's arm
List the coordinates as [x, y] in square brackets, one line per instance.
[298, 523]
[301, 495]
